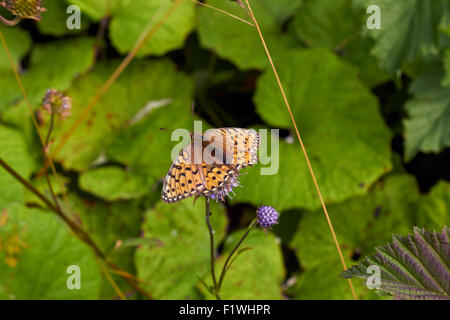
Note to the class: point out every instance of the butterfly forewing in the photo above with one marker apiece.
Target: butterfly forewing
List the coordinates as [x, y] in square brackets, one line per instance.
[238, 146]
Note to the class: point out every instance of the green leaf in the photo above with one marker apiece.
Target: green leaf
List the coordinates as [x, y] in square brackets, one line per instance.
[18, 41]
[427, 128]
[129, 18]
[48, 69]
[415, 267]
[110, 225]
[59, 185]
[446, 80]
[13, 151]
[173, 268]
[408, 28]
[339, 122]
[97, 9]
[113, 183]
[239, 42]
[360, 223]
[257, 272]
[326, 23]
[434, 208]
[335, 25]
[112, 120]
[36, 251]
[129, 22]
[54, 20]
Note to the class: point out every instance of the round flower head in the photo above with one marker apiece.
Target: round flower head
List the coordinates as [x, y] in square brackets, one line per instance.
[25, 9]
[58, 103]
[266, 217]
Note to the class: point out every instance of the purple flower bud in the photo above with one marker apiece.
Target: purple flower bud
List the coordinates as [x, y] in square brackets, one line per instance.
[56, 102]
[266, 217]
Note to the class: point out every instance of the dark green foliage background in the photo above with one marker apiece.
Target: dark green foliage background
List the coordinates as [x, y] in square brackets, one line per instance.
[373, 108]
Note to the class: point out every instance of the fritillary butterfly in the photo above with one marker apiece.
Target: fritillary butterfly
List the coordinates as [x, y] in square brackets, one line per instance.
[232, 150]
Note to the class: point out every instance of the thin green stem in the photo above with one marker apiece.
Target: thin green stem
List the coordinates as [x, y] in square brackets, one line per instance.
[236, 247]
[211, 245]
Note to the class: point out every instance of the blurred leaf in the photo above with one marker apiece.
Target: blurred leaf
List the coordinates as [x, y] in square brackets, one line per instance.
[415, 267]
[357, 53]
[40, 183]
[360, 223]
[239, 42]
[326, 23]
[36, 251]
[408, 28]
[172, 268]
[14, 152]
[339, 122]
[141, 83]
[427, 128]
[110, 225]
[446, 80]
[128, 19]
[18, 41]
[434, 208]
[49, 68]
[113, 183]
[97, 9]
[54, 20]
[257, 272]
[333, 24]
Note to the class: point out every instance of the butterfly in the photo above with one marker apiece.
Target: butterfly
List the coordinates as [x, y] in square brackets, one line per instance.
[199, 173]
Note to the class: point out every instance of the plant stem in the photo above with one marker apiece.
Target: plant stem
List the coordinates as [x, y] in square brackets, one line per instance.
[227, 261]
[211, 245]
[46, 161]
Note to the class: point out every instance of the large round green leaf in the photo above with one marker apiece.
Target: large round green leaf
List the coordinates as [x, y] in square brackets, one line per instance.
[338, 118]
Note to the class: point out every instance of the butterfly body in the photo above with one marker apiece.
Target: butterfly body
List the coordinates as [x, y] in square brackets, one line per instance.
[209, 162]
